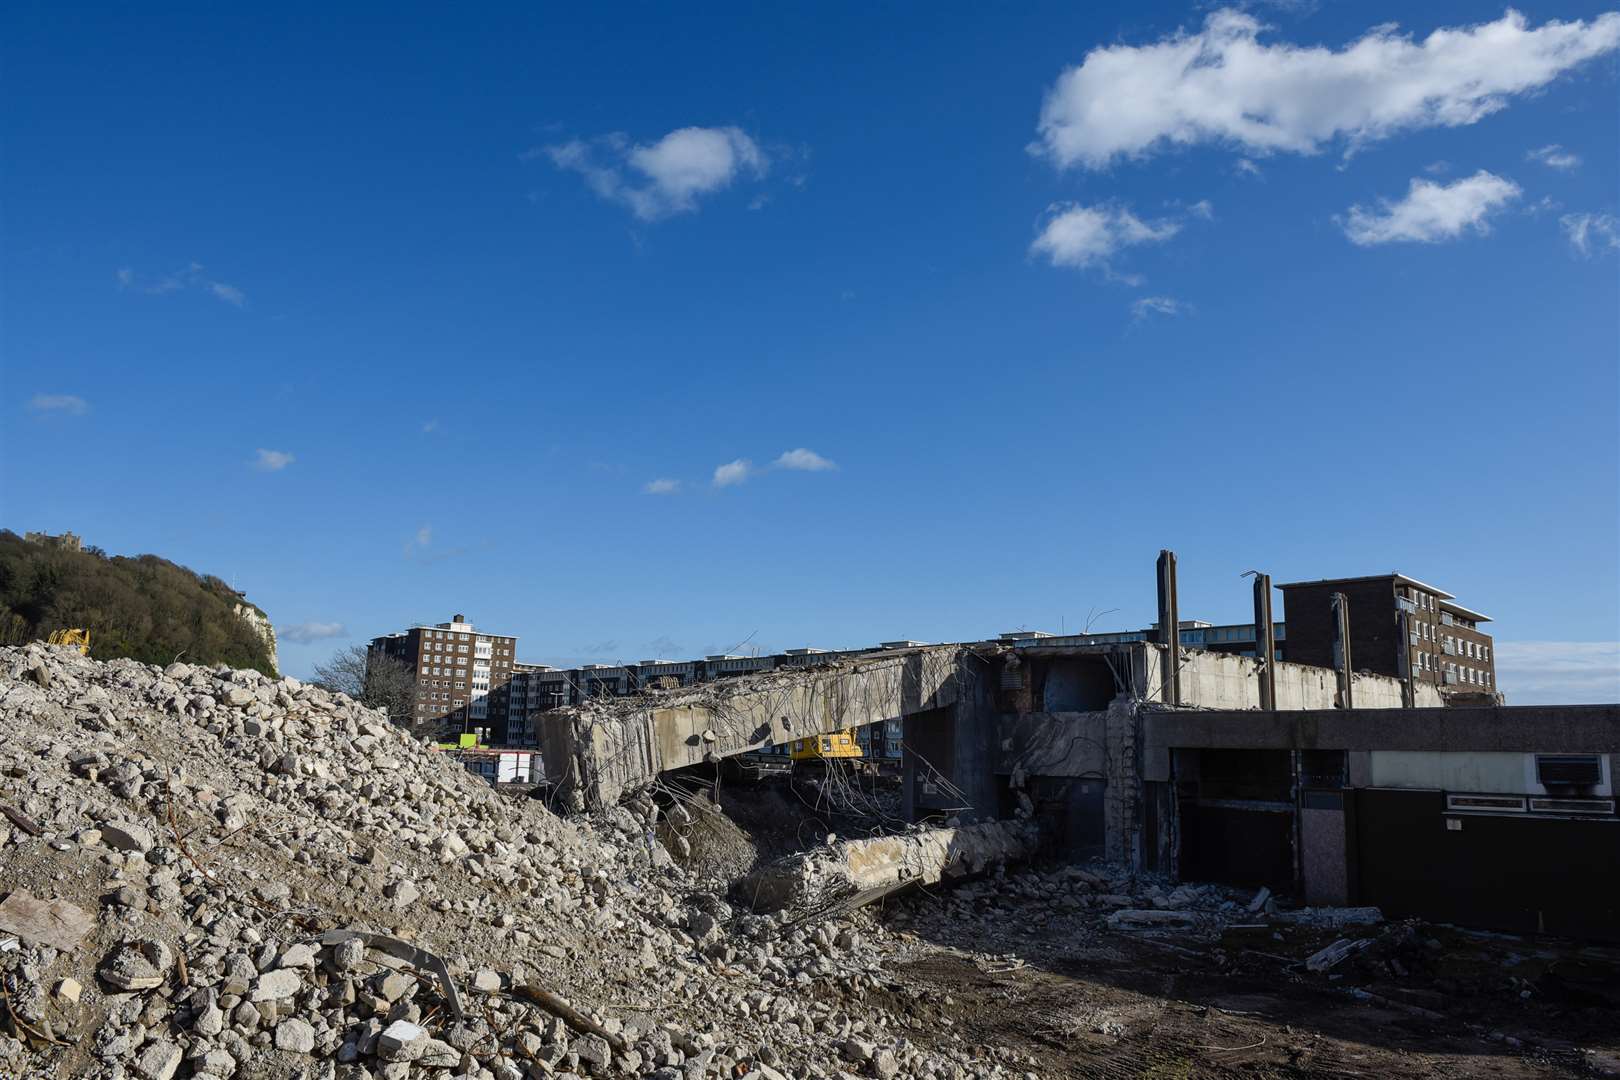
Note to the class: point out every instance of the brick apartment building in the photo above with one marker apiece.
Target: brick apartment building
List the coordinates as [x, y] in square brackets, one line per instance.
[461, 674]
[1443, 644]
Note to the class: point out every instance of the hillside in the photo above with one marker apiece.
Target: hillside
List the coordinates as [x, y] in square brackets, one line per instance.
[142, 607]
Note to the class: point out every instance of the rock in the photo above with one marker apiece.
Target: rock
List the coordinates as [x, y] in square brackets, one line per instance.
[125, 836]
[218, 1063]
[295, 1035]
[301, 955]
[487, 980]
[69, 990]
[403, 893]
[210, 1021]
[276, 985]
[858, 1050]
[137, 965]
[402, 1041]
[884, 1064]
[158, 1061]
[348, 954]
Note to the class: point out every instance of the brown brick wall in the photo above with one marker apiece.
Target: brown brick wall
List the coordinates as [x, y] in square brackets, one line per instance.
[1308, 610]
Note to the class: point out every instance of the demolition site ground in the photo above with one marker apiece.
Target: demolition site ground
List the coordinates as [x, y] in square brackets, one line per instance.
[1029, 961]
[211, 875]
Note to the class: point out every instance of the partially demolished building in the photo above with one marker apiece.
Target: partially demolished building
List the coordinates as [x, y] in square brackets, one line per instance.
[1327, 783]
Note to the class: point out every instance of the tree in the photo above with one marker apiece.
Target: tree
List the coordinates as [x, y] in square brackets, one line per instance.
[375, 680]
[142, 607]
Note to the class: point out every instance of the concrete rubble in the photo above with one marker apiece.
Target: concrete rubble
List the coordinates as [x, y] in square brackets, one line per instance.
[245, 849]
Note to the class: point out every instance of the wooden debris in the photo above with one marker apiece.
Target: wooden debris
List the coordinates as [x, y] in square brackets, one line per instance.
[22, 821]
[569, 1015]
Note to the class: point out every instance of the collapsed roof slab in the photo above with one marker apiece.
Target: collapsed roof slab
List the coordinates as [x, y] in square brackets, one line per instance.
[600, 751]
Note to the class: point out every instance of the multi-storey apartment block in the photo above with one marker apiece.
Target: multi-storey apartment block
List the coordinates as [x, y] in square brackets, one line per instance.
[461, 674]
[1441, 644]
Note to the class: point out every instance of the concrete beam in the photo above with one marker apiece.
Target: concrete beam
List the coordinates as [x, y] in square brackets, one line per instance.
[885, 864]
[599, 751]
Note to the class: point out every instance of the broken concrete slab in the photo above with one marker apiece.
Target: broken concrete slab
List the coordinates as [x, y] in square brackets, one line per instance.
[56, 923]
[883, 864]
[1145, 918]
[1335, 954]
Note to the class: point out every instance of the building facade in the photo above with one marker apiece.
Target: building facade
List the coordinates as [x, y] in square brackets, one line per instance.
[461, 674]
[1441, 642]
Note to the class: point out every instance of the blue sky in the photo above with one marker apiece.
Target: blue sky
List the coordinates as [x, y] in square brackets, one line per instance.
[639, 331]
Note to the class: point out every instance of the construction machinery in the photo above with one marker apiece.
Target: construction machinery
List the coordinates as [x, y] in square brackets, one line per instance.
[74, 638]
[840, 744]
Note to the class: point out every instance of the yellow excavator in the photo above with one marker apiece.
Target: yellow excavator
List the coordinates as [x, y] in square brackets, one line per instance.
[76, 638]
[840, 744]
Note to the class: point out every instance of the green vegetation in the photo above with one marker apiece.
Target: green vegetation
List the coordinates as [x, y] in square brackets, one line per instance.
[142, 607]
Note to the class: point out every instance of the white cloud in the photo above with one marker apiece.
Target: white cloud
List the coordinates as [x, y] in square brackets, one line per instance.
[306, 632]
[66, 404]
[1432, 212]
[192, 277]
[430, 427]
[1158, 305]
[804, 461]
[1248, 168]
[1591, 234]
[1558, 672]
[228, 293]
[272, 460]
[1221, 84]
[1554, 156]
[662, 487]
[424, 536]
[733, 472]
[1076, 235]
[666, 177]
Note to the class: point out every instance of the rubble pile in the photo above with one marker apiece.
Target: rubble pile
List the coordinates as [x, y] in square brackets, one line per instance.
[212, 874]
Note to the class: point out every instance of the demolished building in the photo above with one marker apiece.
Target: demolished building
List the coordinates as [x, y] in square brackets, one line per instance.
[1330, 784]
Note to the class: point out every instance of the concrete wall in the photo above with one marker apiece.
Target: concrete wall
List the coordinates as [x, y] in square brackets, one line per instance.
[1211, 680]
[1484, 771]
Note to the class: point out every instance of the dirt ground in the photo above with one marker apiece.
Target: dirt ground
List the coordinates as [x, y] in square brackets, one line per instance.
[1133, 1006]
[979, 966]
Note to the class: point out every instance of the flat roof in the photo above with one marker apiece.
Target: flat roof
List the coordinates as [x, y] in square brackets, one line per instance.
[1399, 577]
[1458, 609]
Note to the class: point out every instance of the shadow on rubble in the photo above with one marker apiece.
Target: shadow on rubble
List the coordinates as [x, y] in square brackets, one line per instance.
[723, 828]
[1047, 956]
